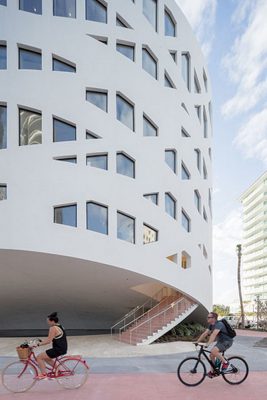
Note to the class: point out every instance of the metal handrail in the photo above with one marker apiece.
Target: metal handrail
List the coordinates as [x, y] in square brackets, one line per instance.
[137, 309]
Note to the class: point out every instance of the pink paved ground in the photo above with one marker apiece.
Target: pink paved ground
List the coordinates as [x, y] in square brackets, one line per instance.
[146, 387]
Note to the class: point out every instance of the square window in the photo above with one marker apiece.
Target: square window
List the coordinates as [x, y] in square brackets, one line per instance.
[125, 228]
[3, 127]
[64, 8]
[66, 215]
[97, 161]
[3, 57]
[30, 127]
[29, 59]
[96, 11]
[3, 192]
[33, 6]
[97, 218]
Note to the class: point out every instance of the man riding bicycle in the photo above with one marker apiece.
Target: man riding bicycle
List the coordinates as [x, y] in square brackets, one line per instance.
[217, 332]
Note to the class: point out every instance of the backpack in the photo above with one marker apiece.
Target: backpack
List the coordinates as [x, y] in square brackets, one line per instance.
[230, 331]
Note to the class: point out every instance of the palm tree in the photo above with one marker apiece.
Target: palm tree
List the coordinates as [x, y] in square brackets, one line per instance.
[239, 254]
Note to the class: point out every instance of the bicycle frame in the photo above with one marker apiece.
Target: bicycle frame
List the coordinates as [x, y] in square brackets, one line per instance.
[204, 353]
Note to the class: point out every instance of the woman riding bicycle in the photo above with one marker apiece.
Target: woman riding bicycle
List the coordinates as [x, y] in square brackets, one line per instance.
[58, 338]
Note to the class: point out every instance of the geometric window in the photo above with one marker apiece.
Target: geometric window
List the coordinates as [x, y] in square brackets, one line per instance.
[186, 223]
[3, 192]
[186, 69]
[66, 215]
[30, 127]
[121, 22]
[167, 81]
[170, 159]
[149, 128]
[125, 165]
[173, 53]
[3, 63]
[184, 133]
[205, 122]
[149, 234]
[197, 200]
[125, 112]
[125, 227]
[65, 8]
[198, 111]
[91, 135]
[150, 12]
[33, 6]
[96, 11]
[3, 2]
[185, 172]
[63, 131]
[185, 260]
[29, 59]
[98, 98]
[153, 197]
[198, 158]
[205, 80]
[72, 160]
[97, 217]
[169, 24]
[205, 174]
[205, 214]
[64, 66]
[126, 49]
[149, 63]
[3, 127]
[170, 205]
[97, 161]
[196, 84]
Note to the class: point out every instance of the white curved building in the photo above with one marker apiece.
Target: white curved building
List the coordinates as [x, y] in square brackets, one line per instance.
[105, 161]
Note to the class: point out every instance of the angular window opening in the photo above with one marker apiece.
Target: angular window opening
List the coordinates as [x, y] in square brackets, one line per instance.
[101, 39]
[172, 258]
[125, 227]
[72, 160]
[98, 98]
[205, 254]
[121, 22]
[205, 123]
[210, 202]
[186, 222]
[197, 88]
[149, 128]
[168, 82]
[205, 173]
[97, 217]
[198, 111]
[150, 234]
[170, 205]
[185, 260]
[96, 11]
[63, 131]
[153, 197]
[185, 108]
[184, 133]
[125, 165]
[30, 127]
[205, 214]
[150, 12]
[3, 2]
[197, 200]
[97, 161]
[3, 57]
[170, 159]
[63, 66]
[64, 8]
[198, 158]
[186, 69]
[3, 127]
[29, 59]
[3, 192]
[91, 135]
[66, 215]
[125, 112]
[185, 174]
[32, 6]
[126, 49]
[210, 112]
[149, 63]
[205, 79]
[170, 24]
[173, 53]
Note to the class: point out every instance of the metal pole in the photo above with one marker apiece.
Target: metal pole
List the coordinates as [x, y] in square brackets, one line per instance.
[239, 254]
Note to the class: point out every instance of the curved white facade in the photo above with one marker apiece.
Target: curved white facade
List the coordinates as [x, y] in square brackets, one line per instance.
[94, 278]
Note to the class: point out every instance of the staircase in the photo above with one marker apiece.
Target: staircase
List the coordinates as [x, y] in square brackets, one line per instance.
[154, 323]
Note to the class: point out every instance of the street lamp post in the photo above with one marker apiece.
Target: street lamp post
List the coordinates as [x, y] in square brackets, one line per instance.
[239, 254]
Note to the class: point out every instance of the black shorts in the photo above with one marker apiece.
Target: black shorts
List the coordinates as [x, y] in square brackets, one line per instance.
[53, 353]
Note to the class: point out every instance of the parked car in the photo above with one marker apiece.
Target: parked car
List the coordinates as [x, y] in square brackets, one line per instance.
[232, 320]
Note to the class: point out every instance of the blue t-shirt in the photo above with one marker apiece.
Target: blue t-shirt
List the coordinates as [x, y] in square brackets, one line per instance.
[222, 335]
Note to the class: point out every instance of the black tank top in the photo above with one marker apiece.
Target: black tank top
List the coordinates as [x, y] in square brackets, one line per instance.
[60, 341]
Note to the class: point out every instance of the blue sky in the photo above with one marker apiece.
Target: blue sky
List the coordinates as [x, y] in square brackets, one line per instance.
[232, 34]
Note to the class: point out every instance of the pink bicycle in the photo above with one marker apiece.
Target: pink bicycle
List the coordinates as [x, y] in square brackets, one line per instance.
[69, 371]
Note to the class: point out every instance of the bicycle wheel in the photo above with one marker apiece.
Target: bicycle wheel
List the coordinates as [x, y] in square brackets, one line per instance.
[72, 373]
[19, 376]
[191, 371]
[239, 371]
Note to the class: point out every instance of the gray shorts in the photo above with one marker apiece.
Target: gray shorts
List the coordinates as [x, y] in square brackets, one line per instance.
[223, 345]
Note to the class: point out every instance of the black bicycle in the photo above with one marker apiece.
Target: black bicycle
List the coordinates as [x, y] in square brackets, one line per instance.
[192, 370]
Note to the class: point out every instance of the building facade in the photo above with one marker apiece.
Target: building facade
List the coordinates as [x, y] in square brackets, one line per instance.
[254, 274]
[105, 160]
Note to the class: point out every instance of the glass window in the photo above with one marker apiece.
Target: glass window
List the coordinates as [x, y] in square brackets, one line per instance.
[3, 127]
[149, 129]
[150, 12]
[66, 215]
[185, 108]
[185, 260]
[65, 8]
[205, 214]
[3, 192]
[3, 2]
[170, 205]
[197, 200]
[91, 135]
[3, 57]
[97, 161]
[29, 59]
[196, 84]
[63, 131]
[184, 133]
[153, 197]
[59, 65]
[125, 228]
[173, 53]
[125, 165]
[125, 112]
[97, 218]
[205, 123]
[186, 69]
[99, 99]
[127, 50]
[96, 11]
[198, 111]
[33, 6]
[149, 63]
[30, 127]
[150, 235]
[168, 82]
[169, 24]
[185, 172]
[198, 158]
[170, 159]
[72, 160]
[186, 221]
[121, 22]
[205, 80]
[205, 173]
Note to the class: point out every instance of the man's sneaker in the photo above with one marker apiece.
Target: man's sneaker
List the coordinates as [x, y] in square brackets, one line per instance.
[40, 377]
[211, 374]
[226, 367]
